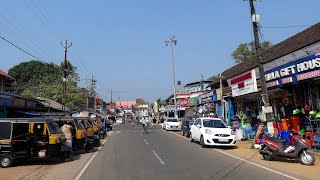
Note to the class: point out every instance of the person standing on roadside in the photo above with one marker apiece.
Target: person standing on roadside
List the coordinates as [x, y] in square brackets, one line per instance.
[154, 121]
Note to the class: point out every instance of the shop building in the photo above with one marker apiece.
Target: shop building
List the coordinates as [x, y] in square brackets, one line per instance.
[281, 63]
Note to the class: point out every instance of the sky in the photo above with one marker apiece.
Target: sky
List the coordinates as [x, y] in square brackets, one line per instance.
[121, 42]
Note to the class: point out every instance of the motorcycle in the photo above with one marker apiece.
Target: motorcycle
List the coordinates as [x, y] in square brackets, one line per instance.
[272, 148]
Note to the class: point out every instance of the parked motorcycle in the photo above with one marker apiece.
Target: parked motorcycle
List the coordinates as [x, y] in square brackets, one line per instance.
[272, 148]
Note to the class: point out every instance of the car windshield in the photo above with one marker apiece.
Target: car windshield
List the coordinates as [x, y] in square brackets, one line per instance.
[172, 120]
[213, 123]
[191, 122]
[54, 128]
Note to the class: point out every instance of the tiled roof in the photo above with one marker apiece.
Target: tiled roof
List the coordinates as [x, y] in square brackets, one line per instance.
[197, 82]
[5, 74]
[307, 37]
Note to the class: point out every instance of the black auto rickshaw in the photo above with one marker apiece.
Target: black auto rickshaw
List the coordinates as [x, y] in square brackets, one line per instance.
[26, 138]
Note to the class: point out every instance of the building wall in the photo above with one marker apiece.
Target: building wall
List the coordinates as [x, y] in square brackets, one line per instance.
[1, 83]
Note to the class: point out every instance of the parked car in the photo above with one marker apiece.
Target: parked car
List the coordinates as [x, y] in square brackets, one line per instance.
[171, 124]
[212, 132]
[186, 124]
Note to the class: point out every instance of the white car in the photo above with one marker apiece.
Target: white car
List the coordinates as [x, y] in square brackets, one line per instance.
[171, 124]
[119, 120]
[212, 132]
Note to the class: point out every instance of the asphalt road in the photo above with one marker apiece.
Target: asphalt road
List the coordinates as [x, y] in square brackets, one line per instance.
[129, 154]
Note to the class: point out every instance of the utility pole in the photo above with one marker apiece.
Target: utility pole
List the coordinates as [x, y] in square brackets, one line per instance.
[222, 100]
[64, 100]
[111, 96]
[264, 95]
[201, 82]
[93, 90]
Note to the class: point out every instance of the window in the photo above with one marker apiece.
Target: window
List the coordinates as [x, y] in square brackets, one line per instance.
[5, 132]
[197, 122]
[213, 123]
[172, 120]
[54, 127]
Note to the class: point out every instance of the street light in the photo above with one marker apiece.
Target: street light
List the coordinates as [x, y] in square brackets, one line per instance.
[172, 42]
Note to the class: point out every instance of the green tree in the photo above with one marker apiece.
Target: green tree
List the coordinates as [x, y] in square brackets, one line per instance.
[39, 79]
[213, 78]
[246, 50]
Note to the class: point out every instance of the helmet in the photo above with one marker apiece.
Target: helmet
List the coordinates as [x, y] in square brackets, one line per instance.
[313, 112]
[296, 111]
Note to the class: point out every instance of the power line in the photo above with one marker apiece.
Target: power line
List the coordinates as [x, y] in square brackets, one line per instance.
[285, 27]
[20, 48]
[19, 31]
[14, 31]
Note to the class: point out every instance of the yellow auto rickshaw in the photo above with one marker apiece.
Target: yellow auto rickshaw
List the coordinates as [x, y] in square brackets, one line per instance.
[26, 138]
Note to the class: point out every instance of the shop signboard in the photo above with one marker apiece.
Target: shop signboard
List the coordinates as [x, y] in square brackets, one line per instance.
[214, 95]
[171, 107]
[193, 101]
[18, 102]
[31, 104]
[5, 99]
[245, 83]
[183, 102]
[293, 72]
[218, 91]
[206, 97]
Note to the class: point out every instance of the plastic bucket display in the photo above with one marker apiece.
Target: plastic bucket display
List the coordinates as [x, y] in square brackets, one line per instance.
[284, 124]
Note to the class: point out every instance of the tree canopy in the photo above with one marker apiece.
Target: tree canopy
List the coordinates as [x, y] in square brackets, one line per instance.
[39, 79]
[212, 78]
[246, 50]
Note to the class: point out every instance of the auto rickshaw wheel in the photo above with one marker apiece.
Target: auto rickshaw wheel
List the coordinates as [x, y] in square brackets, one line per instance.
[88, 147]
[6, 160]
[68, 156]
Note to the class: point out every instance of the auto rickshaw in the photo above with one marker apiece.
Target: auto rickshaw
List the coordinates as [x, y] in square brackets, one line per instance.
[97, 128]
[26, 138]
[90, 131]
[79, 133]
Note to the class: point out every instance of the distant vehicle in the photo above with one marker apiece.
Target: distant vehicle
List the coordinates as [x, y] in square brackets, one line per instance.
[119, 120]
[108, 124]
[187, 122]
[171, 124]
[145, 119]
[212, 132]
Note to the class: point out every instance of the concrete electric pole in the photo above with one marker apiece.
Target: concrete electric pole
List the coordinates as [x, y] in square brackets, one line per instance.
[266, 110]
[65, 67]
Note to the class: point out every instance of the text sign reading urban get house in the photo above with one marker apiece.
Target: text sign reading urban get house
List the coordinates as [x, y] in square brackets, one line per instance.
[293, 72]
[243, 84]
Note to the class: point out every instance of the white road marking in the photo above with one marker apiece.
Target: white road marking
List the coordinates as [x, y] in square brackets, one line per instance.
[140, 134]
[145, 141]
[252, 163]
[158, 157]
[117, 131]
[89, 162]
[255, 164]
